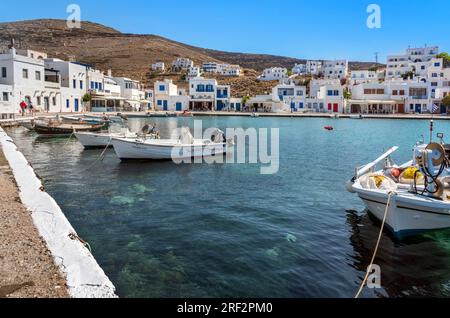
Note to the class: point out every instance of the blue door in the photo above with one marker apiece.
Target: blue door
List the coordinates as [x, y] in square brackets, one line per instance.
[179, 107]
[418, 108]
[165, 108]
[443, 109]
[76, 104]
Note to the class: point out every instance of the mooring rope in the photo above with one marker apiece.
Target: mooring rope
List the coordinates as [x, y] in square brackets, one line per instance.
[391, 194]
[101, 157]
[74, 236]
[70, 137]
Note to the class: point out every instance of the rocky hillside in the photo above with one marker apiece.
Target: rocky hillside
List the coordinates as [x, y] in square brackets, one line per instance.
[131, 55]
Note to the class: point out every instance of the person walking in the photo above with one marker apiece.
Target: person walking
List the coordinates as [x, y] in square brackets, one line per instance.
[23, 106]
[30, 106]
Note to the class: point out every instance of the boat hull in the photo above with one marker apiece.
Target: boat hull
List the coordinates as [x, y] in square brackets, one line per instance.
[100, 140]
[94, 140]
[408, 216]
[135, 150]
[56, 130]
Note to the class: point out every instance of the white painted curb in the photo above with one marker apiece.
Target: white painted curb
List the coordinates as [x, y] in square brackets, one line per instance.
[85, 278]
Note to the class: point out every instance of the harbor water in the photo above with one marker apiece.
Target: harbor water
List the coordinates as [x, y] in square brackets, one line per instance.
[224, 230]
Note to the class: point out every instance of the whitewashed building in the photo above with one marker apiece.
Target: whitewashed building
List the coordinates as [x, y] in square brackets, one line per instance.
[159, 67]
[73, 79]
[229, 70]
[182, 63]
[299, 69]
[395, 96]
[327, 95]
[210, 67]
[149, 97]
[363, 76]
[222, 69]
[206, 94]
[30, 82]
[313, 68]
[7, 108]
[273, 74]
[168, 97]
[414, 60]
[193, 71]
[337, 69]
[133, 93]
[291, 95]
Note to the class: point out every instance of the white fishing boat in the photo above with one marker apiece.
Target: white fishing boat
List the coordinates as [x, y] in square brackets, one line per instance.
[181, 146]
[119, 119]
[103, 139]
[410, 198]
[356, 116]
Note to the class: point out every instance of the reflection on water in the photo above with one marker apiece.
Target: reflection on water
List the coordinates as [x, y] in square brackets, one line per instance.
[416, 266]
[165, 230]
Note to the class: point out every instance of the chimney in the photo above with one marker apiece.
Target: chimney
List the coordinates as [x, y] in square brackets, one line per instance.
[109, 73]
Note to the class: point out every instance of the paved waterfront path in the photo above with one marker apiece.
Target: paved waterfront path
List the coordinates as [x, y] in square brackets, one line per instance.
[27, 268]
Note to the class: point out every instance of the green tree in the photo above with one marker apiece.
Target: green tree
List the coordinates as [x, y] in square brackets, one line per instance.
[408, 75]
[446, 57]
[446, 101]
[245, 99]
[87, 98]
[347, 94]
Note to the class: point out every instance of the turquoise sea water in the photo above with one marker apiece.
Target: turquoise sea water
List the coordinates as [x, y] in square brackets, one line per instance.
[165, 230]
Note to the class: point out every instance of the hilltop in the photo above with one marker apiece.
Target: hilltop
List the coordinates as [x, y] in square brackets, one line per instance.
[131, 55]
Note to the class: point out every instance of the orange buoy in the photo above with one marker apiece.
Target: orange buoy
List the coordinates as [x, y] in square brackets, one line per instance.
[395, 172]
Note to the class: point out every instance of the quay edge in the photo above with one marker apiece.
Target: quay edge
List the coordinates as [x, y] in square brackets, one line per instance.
[85, 278]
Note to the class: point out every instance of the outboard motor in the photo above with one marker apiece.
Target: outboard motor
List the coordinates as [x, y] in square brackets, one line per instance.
[218, 136]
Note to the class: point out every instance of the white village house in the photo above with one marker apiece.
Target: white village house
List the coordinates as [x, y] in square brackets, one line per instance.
[182, 63]
[222, 69]
[412, 61]
[273, 74]
[169, 98]
[159, 67]
[28, 80]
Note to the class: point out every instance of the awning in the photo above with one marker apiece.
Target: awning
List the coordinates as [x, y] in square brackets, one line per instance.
[374, 101]
[132, 102]
[103, 97]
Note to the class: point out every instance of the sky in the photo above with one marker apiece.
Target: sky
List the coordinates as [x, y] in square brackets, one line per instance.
[310, 29]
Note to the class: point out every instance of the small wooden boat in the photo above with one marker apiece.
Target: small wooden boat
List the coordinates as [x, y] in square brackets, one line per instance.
[185, 113]
[329, 128]
[51, 128]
